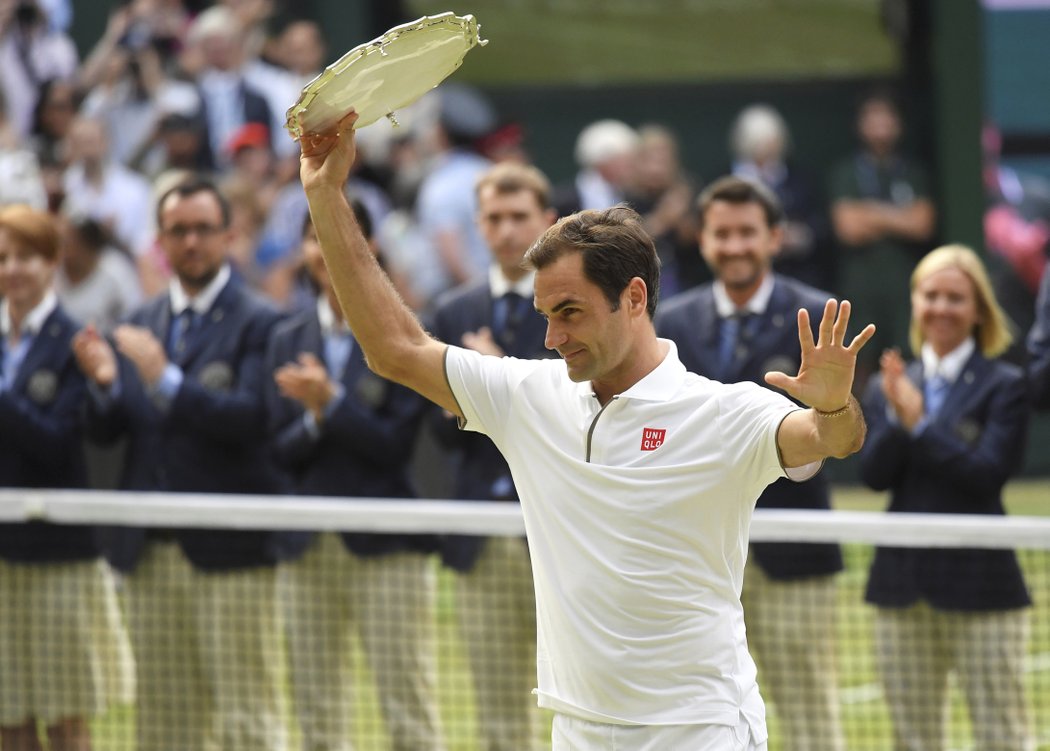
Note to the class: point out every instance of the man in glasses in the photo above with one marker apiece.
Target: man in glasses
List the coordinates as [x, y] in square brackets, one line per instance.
[183, 383]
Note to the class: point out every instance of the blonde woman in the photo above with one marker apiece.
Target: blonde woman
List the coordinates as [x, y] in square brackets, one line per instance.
[945, 433]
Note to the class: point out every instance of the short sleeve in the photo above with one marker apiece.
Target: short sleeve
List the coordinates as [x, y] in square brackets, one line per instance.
[484, 387]
[750, 418]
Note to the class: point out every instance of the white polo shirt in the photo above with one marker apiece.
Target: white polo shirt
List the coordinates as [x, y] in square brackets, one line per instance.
[637, 517]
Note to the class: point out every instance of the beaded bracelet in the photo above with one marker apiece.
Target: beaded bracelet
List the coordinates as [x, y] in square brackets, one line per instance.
[835, 413]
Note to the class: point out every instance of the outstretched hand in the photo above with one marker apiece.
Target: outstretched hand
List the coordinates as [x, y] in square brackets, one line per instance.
[825, 377]
[327, 157]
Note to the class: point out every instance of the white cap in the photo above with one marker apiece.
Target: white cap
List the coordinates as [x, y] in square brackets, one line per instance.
[603, 140]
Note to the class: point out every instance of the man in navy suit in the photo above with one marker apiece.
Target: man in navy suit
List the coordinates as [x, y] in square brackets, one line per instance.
[495, 315]
[340, 430]
[187, 390]
[738, 328]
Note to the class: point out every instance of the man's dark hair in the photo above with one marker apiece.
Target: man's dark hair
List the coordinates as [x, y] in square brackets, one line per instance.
[882, 95]
[511, 177]
[739, 190]
[615, 249]
[92, 233]
[191, 187]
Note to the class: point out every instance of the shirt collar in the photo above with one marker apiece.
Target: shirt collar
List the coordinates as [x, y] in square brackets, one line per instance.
[204, 299]
[329, 325]
[769, 174]
[659, 385]
[950, 366]
[500, 285]
[34, 321]
[757, 304]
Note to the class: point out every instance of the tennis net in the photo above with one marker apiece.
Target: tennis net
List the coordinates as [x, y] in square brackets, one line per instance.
[388, 625]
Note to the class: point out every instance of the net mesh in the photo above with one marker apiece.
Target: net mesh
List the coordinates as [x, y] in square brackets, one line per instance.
[350, 645]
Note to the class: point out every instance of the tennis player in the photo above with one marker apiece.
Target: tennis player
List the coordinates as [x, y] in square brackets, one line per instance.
[637, 478]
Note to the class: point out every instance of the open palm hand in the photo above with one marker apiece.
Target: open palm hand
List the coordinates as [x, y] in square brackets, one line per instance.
[825, 377]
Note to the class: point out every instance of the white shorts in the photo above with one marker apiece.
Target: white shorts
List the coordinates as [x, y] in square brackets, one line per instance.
[573, 734]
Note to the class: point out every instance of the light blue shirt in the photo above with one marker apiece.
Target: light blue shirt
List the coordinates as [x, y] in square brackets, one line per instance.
[14, 354]
[163, 393]
[338, 346]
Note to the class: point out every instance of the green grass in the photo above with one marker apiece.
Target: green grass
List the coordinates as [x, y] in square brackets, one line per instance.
[864, 713]
[591, 42]
[1022, 498]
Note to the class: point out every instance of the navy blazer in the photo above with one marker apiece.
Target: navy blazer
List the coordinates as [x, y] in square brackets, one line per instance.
[1039, 347]
[40, 443]
[479, 467]
[213, 437]
[364, 447]
[691, 320]
[254, 110]
[957, 464]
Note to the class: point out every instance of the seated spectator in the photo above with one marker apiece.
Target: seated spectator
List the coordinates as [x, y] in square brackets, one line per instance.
[96, 282]
[54, 114]
[663, 194]
[446, 207]
[127, 83]
[761, 145]
[228, 100]
[20, 178]
[605, 153]
[105, 190]
[252, 162]
[247, 215]
[295, 56]
[30, 54]
[178, 143]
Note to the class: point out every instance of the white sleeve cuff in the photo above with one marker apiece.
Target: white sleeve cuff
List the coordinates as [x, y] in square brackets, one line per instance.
[803, 473]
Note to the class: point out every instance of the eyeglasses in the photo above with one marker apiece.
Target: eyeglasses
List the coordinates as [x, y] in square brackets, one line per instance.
[182, 231]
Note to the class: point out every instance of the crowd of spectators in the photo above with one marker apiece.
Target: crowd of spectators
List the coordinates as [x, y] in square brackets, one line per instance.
[166, 92]
[173, 101]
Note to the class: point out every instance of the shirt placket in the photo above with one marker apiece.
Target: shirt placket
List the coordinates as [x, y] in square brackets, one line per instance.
[599, 431]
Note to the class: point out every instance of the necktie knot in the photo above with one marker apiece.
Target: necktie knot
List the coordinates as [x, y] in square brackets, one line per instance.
[507, 315]
[181, 329]
[734, 331]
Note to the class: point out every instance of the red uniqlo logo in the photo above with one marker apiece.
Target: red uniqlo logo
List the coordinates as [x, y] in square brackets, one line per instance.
[652, 438]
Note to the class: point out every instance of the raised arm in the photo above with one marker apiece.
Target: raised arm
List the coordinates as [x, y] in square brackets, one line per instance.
[834, 424]
[391, 337]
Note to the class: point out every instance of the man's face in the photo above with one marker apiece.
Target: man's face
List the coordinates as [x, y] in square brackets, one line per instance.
[510, 223]
[194, 238]
[87, 142]
[879, 127]
[303, 48]
[738, 244]
[581, 326]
